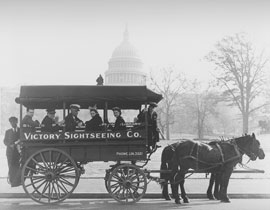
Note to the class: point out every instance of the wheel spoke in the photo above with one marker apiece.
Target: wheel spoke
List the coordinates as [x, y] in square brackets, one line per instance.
[37, 163]
[43, 160]
[117, 177]
[138, 182]
[65, 181]
[34, 182]
[127, 195]
[58, 197]
[118, 187]
[36, 188]
[68, 176]
[115, 185]
[56, 160]
[62, 163]
[131, 193]
[63, 188]
[49, 193]
[137, 187]
[67, 170]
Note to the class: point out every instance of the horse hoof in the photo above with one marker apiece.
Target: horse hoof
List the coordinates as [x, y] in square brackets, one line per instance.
[177, 201]
[226, 200]
[216, 196]
[185, 200]
[167, 198]
[210, 197]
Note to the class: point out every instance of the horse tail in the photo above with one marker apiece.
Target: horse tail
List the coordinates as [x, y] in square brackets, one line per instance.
[164, 164]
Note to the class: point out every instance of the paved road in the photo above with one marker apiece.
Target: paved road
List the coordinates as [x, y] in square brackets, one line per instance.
[146, 204]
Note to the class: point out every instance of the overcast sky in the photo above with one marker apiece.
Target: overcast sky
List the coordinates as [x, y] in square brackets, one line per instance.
[71, 42]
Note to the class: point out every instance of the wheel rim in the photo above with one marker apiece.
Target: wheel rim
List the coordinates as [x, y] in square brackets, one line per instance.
[127, 183]
[50, 176]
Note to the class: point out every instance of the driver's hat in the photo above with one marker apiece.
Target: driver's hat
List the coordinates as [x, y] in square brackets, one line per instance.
[153, 104]
[75, 106]
[51, 111]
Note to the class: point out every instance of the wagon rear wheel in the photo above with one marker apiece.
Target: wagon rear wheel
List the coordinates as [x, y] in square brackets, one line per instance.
[127, 183]
[50, 176]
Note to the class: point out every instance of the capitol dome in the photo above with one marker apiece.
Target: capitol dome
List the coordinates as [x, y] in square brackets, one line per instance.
[125, 65]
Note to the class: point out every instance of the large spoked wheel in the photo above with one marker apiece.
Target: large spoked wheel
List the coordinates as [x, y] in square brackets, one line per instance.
[127, 183]
[50, 176]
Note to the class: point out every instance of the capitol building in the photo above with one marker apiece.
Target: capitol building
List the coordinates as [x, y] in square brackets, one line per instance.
[125, 65]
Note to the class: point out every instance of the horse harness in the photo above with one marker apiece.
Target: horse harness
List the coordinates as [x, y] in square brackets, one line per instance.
[194, 154]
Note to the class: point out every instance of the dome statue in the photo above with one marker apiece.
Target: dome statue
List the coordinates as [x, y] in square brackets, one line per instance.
[125, 65]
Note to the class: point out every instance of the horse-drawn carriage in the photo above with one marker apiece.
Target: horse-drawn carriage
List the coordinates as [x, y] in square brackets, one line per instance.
[52, 163]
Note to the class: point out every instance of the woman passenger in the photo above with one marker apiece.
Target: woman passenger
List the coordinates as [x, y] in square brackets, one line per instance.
[120, 123]
[95, 124]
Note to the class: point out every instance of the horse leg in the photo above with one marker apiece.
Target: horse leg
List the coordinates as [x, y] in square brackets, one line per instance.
[211, 183]
[224, 185]
[217, 186]
[175, 183]
[182, 182]
[165, 193]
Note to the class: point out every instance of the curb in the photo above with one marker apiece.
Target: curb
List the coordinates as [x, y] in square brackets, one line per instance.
[147, 196]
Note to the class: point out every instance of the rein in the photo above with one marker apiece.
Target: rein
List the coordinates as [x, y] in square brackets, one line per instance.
[243, 151]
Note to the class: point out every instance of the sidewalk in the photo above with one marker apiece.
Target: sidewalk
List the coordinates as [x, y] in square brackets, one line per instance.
[195, 188]
[143, 204]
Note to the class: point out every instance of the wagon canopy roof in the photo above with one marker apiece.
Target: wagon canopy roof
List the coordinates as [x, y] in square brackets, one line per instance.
[125, 97]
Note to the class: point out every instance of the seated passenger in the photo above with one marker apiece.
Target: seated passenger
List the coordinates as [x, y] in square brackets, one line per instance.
[28, 122]
[120, 123]
[71, 120]
[95, 124]
[50, 122]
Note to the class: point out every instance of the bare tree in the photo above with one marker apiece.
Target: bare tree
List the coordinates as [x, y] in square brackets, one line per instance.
[171, 85]
[201, 104]
[241, 72]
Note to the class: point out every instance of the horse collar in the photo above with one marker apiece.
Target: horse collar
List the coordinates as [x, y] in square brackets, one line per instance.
[238, 150]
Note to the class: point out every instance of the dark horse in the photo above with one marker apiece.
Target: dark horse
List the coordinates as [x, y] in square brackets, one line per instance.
[219, 158]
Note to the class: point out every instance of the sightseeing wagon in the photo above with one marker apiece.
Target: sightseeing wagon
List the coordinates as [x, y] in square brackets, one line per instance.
[52, 163]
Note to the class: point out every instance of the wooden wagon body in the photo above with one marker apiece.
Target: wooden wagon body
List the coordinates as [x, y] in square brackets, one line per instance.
[52, 163]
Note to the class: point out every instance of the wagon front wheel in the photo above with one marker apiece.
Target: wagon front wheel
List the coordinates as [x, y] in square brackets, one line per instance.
[50, 176]
[127, 183]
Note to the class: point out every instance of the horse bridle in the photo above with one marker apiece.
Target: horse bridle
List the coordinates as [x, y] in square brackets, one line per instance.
[251, 155]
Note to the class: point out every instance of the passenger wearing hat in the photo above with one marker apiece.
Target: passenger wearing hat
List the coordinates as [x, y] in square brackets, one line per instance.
[11, 141]
[95, 124]
[50, 122]
[71, 120]
[28, 123]
[152, 120]
[120, 123]
[153, 132]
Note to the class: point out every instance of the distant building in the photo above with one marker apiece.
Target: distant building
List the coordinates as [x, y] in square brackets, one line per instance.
[125, 65]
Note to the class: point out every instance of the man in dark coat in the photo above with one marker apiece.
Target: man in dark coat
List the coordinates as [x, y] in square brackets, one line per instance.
[28, 124]
[120, 123]
[153, 132]
[71, 120]
[95, 124]
[50, 122]
[152, 116]
[11, 140]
